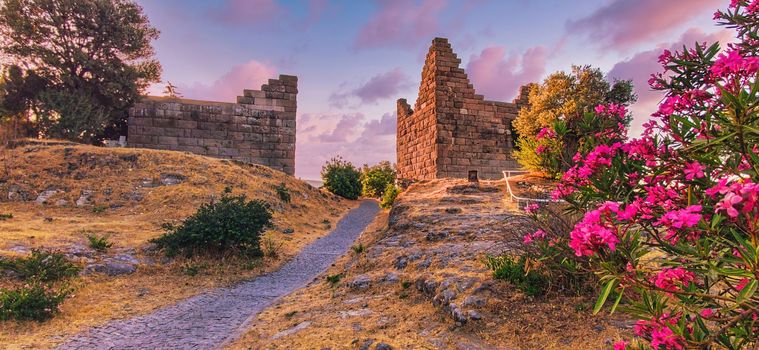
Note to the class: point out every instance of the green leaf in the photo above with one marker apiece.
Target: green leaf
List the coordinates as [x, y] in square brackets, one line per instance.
[748, 291]
[604, 295]
[616, 302]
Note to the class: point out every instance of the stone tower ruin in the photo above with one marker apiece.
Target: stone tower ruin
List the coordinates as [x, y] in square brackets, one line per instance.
[258, 129]
[451, 130]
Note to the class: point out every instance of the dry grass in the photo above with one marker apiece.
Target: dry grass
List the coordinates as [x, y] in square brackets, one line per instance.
[130, 206]
[400, 315]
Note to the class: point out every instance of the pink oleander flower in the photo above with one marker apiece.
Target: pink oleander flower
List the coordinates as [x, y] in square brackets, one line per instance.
[531, 208]
[706, 313]
[540, 149]
[593, 232]
[734, 63]
[672, 279]
[727, 204]
[742, 284]
[665, 57]
[620, 345]
[661, 336]
[527, 239]
[545, 132]
[694, 171]
[683, 218]
[539, 234]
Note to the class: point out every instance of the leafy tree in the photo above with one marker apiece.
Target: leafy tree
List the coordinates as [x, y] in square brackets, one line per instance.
[566, 98]
[374, 179]
[342, 178]
[98, 50]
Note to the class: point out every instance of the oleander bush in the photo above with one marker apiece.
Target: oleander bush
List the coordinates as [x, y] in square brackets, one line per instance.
[670, 220]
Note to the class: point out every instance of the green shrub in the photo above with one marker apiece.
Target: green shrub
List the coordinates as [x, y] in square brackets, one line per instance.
[283, 192]
[99, 209]
[388, 198]
[99, 243]
[514, 271]
[232, 223]
[6, 216]
[375, 179]
[41, 266]
[342, 178]
[32, 302]
[333, 280]
[358, 249]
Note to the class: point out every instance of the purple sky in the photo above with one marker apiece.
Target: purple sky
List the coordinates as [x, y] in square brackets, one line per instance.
[355, 58]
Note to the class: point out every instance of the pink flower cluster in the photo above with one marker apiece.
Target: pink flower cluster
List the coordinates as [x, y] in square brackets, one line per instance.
[528, 238]
[662, 337]
[738, 197]
[545, 133]
[595, 231]
[673, 279]
[733, 63]
[612, 109]
[578, 175]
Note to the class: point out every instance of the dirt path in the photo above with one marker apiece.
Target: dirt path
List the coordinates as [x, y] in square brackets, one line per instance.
[208, 320]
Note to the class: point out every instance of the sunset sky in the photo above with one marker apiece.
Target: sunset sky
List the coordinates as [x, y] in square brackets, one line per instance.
[354, 58]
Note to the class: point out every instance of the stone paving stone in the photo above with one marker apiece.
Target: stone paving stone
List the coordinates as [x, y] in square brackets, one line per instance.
[208, 320]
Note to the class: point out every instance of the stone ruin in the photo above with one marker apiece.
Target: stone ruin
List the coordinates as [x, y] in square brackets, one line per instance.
[452, 130]
[259, 128]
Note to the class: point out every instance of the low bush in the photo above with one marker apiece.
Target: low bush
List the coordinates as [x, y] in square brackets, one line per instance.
[40, 266]
[232, 224]
[271, 247]
[358, 248]
[546, 249]
[99, 243]
[333, 280]
[7, 216]
[283, 192]
[31, 302]
[516, 272]
[375, 179]
[388, 198]
[342, 178]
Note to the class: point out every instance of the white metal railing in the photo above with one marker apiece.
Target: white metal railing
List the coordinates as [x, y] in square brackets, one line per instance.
[507, 174]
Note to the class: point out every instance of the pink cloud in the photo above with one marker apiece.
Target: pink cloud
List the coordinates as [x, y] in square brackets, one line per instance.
[246, 11]
[345, 128]
[369, 142]
[381, 86]
[401, 23]
[249, 75]
[498, 76]
[640, 66]
[624, 23]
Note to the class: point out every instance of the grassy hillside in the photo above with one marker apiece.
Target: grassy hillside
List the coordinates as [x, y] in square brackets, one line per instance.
[58, 192]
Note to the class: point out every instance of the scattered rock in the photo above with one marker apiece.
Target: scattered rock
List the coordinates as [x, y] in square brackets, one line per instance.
[48, 219]
[452, 210]
[401, 262]
[16, 193]
[45, 195]
[85, 198]
[355, 313]
[149, 183]
[127, 258]
[444, 298]
[361, 282]
[383, 346]
[391, 277]
[474, 315]
[110, 268]
[20, 249]
[288, 230]
[61, 203]
[172, 179]
[297, 328]
[474, 300]
[366, 344]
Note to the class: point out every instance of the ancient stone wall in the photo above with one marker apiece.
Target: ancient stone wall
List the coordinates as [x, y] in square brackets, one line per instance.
[259, 128]
[451, 129]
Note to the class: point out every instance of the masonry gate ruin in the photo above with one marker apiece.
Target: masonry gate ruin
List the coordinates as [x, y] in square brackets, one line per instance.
[259, 128]
[451, 130]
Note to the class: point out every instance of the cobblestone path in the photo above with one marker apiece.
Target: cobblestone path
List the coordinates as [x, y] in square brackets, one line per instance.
[207, 320]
